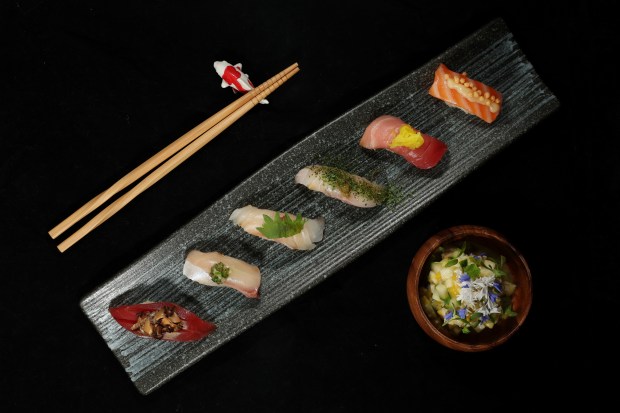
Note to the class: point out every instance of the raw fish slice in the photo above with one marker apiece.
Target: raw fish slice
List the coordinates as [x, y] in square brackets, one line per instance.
[241, 276]
[251, 218]
[426, 156]
[192, 327]
[469, 95]
[344, 186]
[380, 132]
[391, 133]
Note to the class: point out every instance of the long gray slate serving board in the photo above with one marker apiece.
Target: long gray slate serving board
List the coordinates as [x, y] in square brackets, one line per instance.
[490, 55]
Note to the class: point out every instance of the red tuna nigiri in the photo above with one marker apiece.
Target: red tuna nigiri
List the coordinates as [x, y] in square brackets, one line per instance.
[391, 133]
[472, 96]
[162, 320]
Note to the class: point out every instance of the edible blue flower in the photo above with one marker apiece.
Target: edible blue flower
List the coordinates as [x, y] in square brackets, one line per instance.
[479, 292]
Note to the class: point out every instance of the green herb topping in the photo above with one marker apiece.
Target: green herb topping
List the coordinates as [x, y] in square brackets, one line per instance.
[219, 272]
[348, 183]
[281, 226]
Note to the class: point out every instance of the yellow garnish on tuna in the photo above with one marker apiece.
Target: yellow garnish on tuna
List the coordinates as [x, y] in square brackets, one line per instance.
[407, 137]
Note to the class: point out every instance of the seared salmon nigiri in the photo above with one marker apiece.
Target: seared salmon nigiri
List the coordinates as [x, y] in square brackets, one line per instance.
[471, 96]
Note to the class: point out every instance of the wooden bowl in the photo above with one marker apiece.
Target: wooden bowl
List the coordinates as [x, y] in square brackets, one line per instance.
[495, 243]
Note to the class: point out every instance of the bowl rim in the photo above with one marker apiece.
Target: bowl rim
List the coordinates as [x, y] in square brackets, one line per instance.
[418, 262]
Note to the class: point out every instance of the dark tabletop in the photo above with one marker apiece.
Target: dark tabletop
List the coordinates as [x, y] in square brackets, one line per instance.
[90, 89]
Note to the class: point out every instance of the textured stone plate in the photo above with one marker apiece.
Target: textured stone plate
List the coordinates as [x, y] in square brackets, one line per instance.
[490, 55]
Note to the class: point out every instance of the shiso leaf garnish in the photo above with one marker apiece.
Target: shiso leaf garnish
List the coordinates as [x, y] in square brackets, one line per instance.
[281, 226]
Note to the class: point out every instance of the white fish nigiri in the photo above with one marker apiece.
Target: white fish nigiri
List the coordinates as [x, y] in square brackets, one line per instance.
[218, 270]
[251, 219]
[344, 186]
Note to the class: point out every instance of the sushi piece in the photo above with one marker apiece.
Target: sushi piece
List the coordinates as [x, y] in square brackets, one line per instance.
[162, 321]
[298, 234]
[218, 270]
[471, 96]
[344, 186]
[391, 133]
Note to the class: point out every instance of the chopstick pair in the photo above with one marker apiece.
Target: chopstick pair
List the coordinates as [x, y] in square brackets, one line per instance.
[175, 153]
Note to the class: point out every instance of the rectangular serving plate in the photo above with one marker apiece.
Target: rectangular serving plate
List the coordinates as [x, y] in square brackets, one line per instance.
[490, 55]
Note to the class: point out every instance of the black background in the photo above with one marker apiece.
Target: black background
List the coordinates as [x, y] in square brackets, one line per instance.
[91, 89]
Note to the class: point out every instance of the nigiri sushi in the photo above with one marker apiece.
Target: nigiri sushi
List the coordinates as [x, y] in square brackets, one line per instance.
[344, 186]
[218, 270]
[391, 133]
[162, 320]
[298, 234]
[471, 96]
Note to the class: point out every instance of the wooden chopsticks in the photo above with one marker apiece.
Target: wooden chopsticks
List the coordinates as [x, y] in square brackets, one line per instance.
[177, 152]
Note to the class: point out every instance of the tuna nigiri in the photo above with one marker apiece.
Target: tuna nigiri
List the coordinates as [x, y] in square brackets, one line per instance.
[162, 320]
[344, 186]
[471, 96]
[218, 270]
[298, 234]
[391, 133]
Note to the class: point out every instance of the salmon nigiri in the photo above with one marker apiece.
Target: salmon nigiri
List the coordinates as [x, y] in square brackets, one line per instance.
[471, 96]
[392, 133]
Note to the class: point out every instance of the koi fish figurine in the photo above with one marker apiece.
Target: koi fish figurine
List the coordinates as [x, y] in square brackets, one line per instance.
[233, 76]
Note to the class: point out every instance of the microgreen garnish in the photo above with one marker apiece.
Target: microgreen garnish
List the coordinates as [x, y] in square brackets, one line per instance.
[219, 272]
[281, 226]
[509, 312]
[472, 270]
[452, 262]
